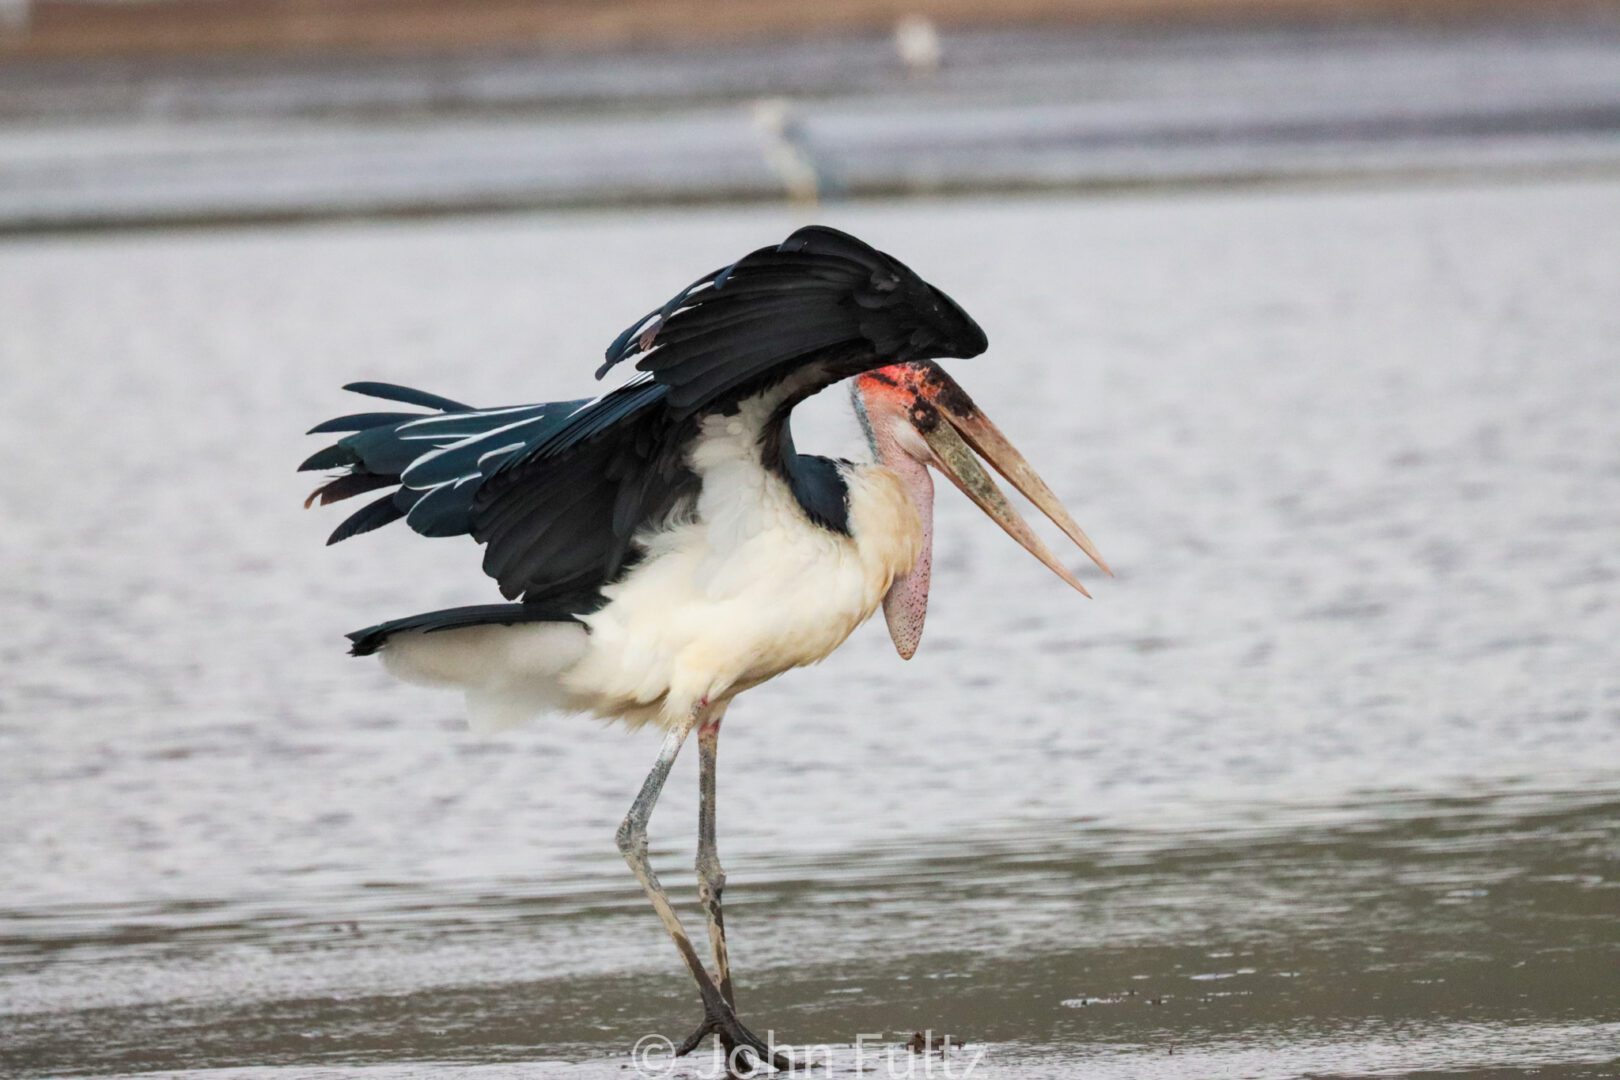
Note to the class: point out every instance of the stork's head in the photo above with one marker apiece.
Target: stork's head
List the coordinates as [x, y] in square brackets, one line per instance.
[916, 416]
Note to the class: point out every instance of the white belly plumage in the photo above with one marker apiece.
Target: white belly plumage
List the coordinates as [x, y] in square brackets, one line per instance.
[744, 590]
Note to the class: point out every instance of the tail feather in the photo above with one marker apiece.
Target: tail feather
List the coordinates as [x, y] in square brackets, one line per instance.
[373, 638]
[506, 658]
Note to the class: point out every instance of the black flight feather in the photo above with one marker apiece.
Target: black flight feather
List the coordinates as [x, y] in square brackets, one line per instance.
[407, 396]
[371, 516]
[362, 421]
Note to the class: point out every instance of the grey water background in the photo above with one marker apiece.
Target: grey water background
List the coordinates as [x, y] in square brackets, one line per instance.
[1326, 782]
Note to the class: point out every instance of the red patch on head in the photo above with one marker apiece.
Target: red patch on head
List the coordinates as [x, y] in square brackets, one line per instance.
[897, 385]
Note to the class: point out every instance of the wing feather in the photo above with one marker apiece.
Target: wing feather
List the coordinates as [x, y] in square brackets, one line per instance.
[406, 395]
[371, 516]
[361, 421]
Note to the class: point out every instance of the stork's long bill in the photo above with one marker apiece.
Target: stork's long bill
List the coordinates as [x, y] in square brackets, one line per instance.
[915, 416]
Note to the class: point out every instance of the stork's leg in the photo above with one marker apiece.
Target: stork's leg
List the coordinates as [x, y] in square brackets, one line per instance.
[719, 1017]
[711, 878]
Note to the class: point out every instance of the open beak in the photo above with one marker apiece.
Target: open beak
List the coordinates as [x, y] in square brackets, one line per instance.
[954, 432]
[916, 416]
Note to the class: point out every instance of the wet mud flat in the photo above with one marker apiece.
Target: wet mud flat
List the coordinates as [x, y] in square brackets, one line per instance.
[1323, 783]
[1464, 936]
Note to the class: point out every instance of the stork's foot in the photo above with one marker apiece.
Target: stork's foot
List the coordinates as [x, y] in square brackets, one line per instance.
[742, 1047]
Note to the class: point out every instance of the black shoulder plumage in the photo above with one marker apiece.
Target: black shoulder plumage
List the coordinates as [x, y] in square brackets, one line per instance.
[821, 299]
[556, 491]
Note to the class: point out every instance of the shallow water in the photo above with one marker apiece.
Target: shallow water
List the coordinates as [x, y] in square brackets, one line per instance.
[1326, 782]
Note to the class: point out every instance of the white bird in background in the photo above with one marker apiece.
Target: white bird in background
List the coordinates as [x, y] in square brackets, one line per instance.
[916, 42]
[665, 546]
[788, 152]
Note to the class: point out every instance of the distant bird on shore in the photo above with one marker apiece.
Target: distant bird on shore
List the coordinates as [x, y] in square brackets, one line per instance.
[789, 153]
[665, 546]
[917, 44]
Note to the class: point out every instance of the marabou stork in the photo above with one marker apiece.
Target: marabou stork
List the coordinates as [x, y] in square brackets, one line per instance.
[664, 545]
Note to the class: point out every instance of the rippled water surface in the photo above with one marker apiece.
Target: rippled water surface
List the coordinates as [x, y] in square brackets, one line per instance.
[1326, 782]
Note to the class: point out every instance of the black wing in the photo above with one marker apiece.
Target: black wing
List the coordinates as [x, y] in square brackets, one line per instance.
[591, 468]
[557, 491]
[818, 307]
[559, 520]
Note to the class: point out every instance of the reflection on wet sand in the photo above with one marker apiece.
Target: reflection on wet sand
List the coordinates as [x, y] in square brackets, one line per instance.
[1395, 933]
